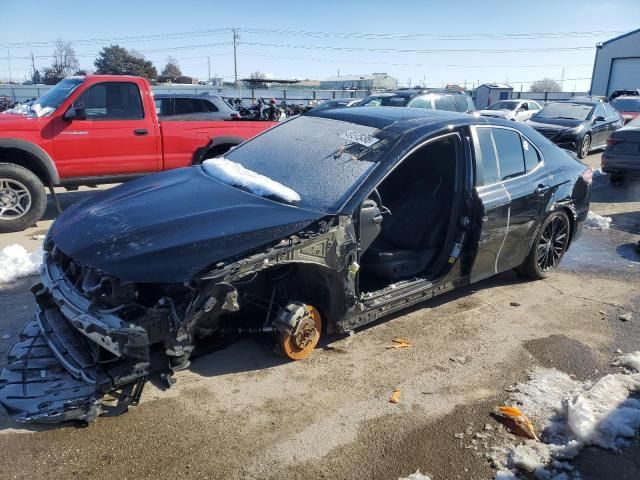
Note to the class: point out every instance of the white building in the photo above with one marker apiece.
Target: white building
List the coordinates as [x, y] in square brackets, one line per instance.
[617, 64]
[374, 81]
[489, 93]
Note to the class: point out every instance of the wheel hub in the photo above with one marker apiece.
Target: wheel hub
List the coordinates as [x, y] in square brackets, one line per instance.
[304, 332]
[15, 199]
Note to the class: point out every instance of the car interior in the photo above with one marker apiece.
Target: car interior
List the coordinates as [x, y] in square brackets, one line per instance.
[405, 222]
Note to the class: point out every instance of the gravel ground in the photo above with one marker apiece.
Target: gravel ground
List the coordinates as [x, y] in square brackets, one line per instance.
[244, 413]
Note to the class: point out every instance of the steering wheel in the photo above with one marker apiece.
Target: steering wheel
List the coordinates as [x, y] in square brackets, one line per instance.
[376, 194]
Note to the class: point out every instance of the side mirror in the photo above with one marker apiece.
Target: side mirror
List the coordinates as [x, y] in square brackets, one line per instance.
[75, 113]
[599, 118]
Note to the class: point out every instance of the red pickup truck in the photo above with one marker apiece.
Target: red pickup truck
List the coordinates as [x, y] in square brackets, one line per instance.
[98, 129]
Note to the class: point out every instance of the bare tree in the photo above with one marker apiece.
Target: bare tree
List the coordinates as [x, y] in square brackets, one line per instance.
[545, 85]
[257, 75]
[171, 68]
[65, 62]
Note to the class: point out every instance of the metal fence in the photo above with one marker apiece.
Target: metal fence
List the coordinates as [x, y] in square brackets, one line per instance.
[21, 93]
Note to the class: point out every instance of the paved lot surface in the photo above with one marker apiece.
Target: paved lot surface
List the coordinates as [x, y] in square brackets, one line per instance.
[244, 413]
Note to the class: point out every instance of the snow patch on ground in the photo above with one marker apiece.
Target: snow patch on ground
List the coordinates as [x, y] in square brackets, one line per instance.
[630, 361]
[416, 476]
[16, 262]
[233, 173]
[597, 222]
[570, 415]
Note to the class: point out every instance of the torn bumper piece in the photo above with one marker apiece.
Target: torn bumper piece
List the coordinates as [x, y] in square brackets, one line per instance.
[52, 376]
[36, 387]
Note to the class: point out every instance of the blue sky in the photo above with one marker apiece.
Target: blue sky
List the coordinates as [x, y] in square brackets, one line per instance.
[454, 33]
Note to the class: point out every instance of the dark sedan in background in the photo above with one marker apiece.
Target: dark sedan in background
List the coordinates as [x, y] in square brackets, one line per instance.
[621, 159]
[580, 125]
[627, 106]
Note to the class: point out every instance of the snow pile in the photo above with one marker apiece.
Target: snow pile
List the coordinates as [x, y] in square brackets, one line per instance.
[233, 173]
[16, 262]
[416, 476]
[597, 222]
[39, 111]
[571, 415]
[630, 361]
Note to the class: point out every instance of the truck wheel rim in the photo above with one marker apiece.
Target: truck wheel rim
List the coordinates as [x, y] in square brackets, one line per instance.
[15, 199]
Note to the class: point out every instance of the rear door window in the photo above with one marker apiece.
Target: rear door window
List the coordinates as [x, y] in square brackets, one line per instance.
[533, 106]
[163, 106]
[487, 171]
[420, 102]
[510, 152]
[444, 102]
[461, 102]
[531, 156]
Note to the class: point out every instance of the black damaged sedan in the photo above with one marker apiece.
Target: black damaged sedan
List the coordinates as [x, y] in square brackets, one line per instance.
[320, 225]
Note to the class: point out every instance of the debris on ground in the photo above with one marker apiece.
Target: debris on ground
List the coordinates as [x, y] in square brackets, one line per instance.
[395, 396]
[16, 262]
[416, 476]
[518, 421]
[597, 222]
[399, 343]
[459, 436]
[570, 416]
[38, 237]
[514, 304]
[625, 317]
[461, 359]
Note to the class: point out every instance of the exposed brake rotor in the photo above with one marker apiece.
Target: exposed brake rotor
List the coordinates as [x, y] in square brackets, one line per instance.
[299, 326]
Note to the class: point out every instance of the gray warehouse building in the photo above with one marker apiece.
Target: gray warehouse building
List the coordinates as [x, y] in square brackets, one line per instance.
[617, 64]
[374, 81]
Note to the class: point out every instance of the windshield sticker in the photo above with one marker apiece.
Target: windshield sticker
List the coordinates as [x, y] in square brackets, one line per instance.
[360, 138]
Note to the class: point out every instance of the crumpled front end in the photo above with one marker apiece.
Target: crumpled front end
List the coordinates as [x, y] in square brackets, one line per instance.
[91, 336]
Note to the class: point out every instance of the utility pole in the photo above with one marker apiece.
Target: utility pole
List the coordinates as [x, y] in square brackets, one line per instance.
[562, 81]
[9, 58]
[33, 65]
[235, 59]
[209, 67]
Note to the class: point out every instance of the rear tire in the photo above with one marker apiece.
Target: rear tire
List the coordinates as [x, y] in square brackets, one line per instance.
[23, 199]
[584, 147]
[548, 248]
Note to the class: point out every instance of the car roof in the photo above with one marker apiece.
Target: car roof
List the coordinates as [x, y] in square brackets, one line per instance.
[580, 101]
[627, 97]
[402, 119]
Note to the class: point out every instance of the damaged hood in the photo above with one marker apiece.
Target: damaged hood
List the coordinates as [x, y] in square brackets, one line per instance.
[168, 227]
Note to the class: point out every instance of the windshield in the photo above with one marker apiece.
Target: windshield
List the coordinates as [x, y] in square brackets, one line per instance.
[384, 101]
[321, 160]
[51, 100]
[568, 111]
[503, 106]
[626, 104]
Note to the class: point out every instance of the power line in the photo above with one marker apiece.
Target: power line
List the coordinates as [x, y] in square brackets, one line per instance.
[418, 50]
[433, 36]
[395, 64]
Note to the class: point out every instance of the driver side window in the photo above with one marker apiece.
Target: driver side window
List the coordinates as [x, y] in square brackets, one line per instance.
[111, 101]
[599, 112]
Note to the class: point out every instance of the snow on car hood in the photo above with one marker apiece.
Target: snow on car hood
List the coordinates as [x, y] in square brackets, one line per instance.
[34, 110]
[233, 173]
[168, 227]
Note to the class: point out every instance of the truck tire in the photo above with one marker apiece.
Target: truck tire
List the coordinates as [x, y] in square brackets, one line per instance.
[23, 199]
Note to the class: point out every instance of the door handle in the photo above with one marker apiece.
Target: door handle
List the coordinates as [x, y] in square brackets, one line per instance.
[140, 132]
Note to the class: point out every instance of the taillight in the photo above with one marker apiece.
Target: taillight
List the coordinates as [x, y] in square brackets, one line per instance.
[612, 141]
[587, 175]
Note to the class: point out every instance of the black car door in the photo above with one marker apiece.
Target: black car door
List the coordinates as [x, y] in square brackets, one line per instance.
[599, 128]
[513, 191]
[494, 207]
[614, 120]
